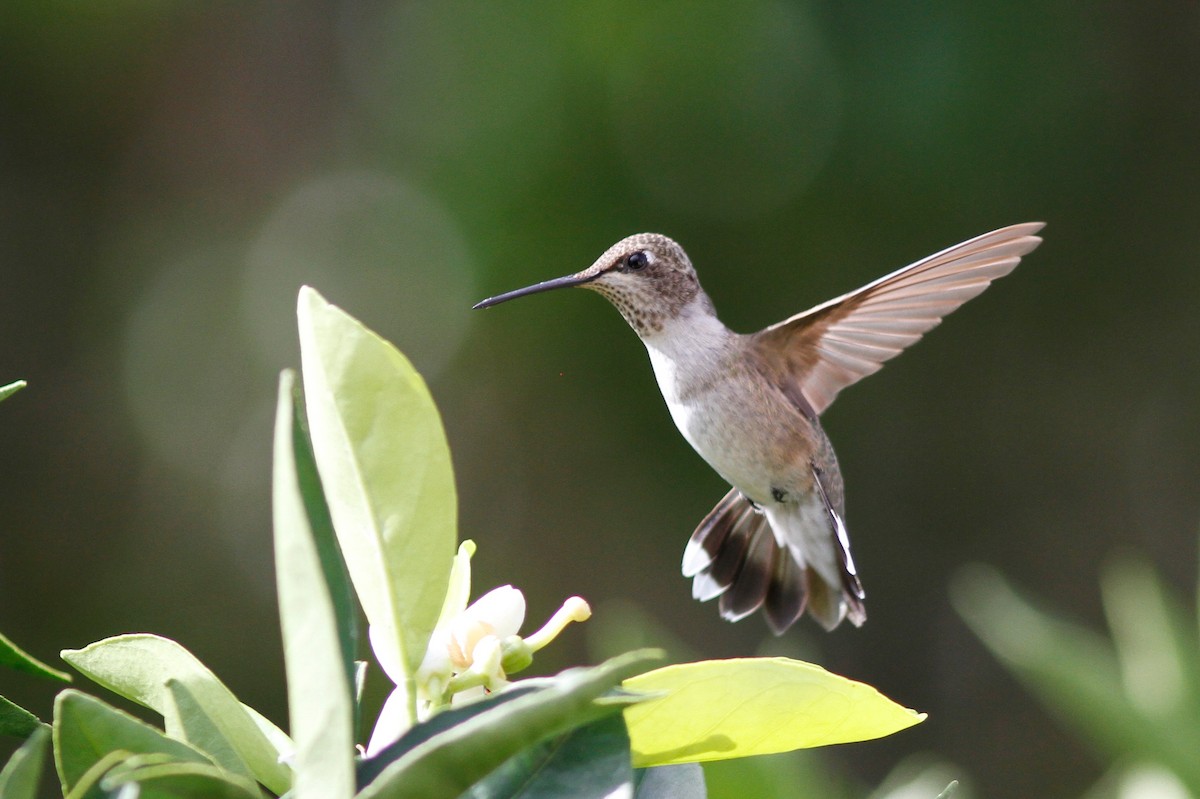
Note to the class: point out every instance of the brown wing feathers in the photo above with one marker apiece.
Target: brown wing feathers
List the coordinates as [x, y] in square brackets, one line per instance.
[840, 342]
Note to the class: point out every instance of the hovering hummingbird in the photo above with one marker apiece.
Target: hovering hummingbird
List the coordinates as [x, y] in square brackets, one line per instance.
[750, 406]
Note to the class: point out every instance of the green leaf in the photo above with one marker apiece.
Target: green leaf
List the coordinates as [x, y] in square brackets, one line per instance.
[333, 565]
[139, 667]
[319, 669]
[667, 782]
[589, 761]
[10, 389]
[385, 467]
[168, 780]
[1075, 672]
[87, 730]
[372, 767]
[202, 732]
[14, 657]
[949, 790]
[88, 786]
[1156, 645]
[449, 762]
[16, 720]
[23, 771]
[280, 741]
[718, 709]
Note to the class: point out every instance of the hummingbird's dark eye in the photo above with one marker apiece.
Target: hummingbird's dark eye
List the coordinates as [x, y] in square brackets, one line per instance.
[637, 261]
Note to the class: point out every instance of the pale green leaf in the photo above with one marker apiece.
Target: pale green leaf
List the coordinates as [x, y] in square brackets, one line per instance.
[1076, 672]
[139, 666]
[719, 709]
[949, 791]
[14, 657]
[201, 731]
[385, 467]
[280, 740]
[170, 780]
[1155, 645]
[88, 786]
[23, 771]
[87, 731]
[320, 703]
[10, 389]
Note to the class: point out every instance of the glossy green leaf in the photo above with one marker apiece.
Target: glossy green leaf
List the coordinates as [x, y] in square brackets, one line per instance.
[718, 709]
[452, 760]
[417, 735]
[320, 699]
[385, 467]
[589, 762]
[14, 657]
[139, 667]
[21, 774]
[10, 389]
[168, 780]
[16, 720]
[668, 782]
[86, 731]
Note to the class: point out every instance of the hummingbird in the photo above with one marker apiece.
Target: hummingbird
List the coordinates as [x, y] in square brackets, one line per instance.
[750, 405]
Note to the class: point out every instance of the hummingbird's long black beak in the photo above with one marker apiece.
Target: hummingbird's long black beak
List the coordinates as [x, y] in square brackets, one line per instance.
[545, 285]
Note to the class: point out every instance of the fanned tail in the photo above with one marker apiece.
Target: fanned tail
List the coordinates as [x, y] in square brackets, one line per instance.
[733, 555]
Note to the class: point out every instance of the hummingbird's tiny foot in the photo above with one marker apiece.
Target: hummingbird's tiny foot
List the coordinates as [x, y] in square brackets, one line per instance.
[753, 504]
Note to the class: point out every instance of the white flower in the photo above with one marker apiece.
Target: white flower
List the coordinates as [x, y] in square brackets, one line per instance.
[471, 643]
[472, 650]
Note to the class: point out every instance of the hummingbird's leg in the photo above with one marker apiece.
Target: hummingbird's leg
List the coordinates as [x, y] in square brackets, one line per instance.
[753, 504]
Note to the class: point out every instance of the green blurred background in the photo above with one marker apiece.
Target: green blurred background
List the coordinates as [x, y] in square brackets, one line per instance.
[170, 173]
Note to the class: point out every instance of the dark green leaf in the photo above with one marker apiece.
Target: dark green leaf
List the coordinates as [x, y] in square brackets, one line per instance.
[669, 782]
[23, 772]
[589, 762]
[16, 720]
[87, 730]
[450, 762]
[14, 657]
[372, 767]
[333, 565]
[310, 578]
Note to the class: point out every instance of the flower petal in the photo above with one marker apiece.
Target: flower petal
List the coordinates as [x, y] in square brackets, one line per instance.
[503, 608]
[459, 589]
[392, 722]
[387, 652]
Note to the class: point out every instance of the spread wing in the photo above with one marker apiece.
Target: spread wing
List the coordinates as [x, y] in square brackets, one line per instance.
[837, 343]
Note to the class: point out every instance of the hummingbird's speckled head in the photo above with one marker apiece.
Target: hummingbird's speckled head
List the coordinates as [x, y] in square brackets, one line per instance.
[648, 277]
